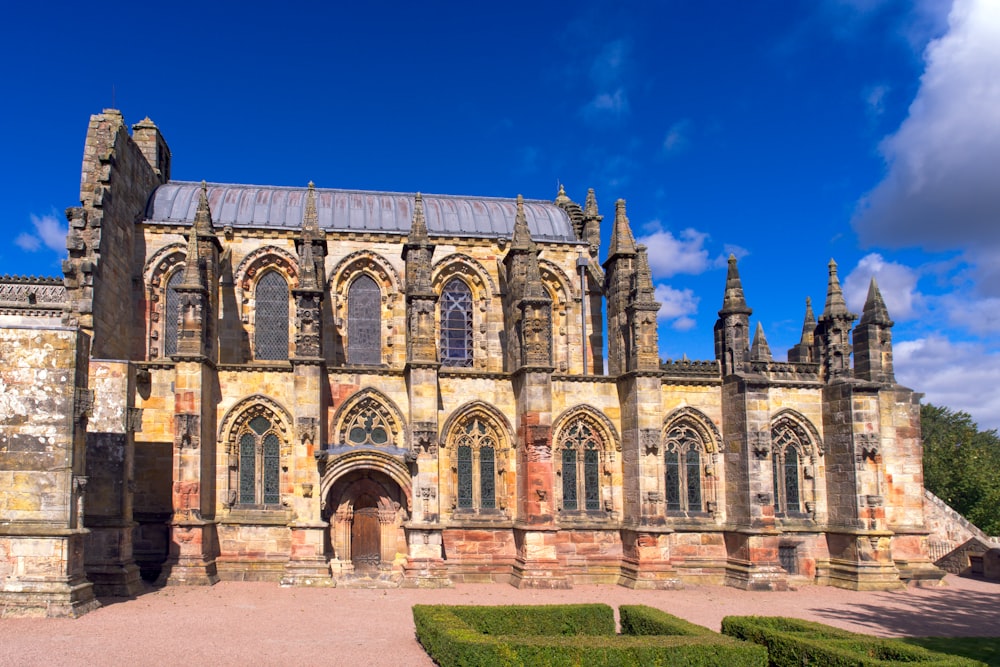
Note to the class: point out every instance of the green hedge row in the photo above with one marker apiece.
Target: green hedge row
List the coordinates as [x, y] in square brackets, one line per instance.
[572, 635]
[791, 641]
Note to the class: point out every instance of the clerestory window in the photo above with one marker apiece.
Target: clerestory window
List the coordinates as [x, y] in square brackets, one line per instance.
[271, 317]
[364, 322]
[456, 324]
[259, 464]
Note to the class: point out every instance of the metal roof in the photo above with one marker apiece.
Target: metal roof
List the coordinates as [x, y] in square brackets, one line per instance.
[354, 210]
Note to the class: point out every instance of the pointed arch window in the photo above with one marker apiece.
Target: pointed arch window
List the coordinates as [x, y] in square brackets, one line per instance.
[364, 322]
[259, 464]
[476, 448]
[580, 467]
[456, 324]
[171, 313]
[786, 461]
[271, 317]
[683, 452]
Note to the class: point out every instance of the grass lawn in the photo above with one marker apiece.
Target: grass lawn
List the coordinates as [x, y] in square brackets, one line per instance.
[986, 649]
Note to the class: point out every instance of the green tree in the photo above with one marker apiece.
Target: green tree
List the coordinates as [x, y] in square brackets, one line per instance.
[962, 465]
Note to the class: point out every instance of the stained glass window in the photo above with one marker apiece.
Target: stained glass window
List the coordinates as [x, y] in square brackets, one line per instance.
[248, 469]
[581, 455]
[487, 479]
[569, 479]
[259, 464]
[364, 322]
[476, 465]
[683, 467]
[271, 317]
[591, 480]
[787, 469]
[171, 314]
[464, 477]
[456, 324]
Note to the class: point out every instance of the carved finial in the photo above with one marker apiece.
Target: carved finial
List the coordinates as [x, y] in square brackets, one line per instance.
[310, 218]
[835, 304]
[808, 324]
[733, 301]
[760, 350]
[521, 238]
[418, 228]
[875, 311]
[622, 241]
[561, 198]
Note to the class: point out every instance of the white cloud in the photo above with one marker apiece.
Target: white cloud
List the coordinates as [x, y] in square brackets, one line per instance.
[607, 105]
[940, 190]
[28, 242]
[677, 136]
[608, 73]
[978, 316]
[960, 376]
[875, 99]
[670, 255]
[48, 232]
[896, 282]
[677, 306]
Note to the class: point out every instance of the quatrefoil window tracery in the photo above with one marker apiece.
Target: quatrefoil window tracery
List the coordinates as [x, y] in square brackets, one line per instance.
[368, 428]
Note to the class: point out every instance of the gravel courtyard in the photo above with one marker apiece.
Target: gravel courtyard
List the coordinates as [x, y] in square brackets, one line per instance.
[263, 624]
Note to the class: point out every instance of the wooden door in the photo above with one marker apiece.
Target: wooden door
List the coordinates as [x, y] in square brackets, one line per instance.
[365, 539]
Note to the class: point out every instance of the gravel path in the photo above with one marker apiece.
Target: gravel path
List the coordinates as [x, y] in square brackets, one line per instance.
[262, 624]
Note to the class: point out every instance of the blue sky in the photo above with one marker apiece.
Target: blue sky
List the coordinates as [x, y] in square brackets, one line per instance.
[787, 132]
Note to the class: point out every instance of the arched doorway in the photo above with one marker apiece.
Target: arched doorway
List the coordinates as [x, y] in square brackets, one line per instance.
[366, 510]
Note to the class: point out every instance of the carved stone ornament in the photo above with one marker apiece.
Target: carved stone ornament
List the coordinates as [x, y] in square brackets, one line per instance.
[649, 441]
[866, 446]
[760, 444]
[764, 498]
[305, 430]
[187, 431]
[133, 420]
[428, 493]
[425, 437]
[307, 490]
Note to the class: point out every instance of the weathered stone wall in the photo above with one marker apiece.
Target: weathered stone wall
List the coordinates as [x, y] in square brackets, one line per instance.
[44, 403]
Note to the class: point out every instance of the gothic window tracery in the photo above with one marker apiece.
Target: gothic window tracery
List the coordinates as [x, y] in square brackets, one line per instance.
[456, 324]
[171, 312]
[787, 460]
[581, 446]
[476, 445]
[684, 448]
[271, 317]
[259, 463]
[364, 322]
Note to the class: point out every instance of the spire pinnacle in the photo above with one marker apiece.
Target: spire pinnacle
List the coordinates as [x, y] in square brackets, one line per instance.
[808, 324]
[622, 241]
[192, 273]
[203, 214]
[733, 301]
[644, 290]
[522, 235]
[875, 311]
[418, 230]
[835, 304]
[590, 205]
[310, 218]
[760, 350]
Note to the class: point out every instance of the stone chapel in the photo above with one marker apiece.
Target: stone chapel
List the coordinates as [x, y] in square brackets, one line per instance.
[325, 387]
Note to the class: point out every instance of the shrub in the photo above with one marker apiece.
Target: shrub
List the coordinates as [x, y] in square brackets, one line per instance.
[791, 641]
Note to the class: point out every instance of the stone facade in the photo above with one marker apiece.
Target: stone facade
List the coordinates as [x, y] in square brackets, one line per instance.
[314, 394]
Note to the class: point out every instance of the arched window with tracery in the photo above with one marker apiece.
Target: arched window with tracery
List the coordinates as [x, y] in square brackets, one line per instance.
[171, 313]
[271, 317]
[364, 322]
[456, 324]
[683, 449]
[476, 447]
[787, 452]
[259, 463]
[581, 445]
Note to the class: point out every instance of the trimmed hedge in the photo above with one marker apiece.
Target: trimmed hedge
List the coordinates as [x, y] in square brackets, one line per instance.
[793, 642]
[572, 635]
